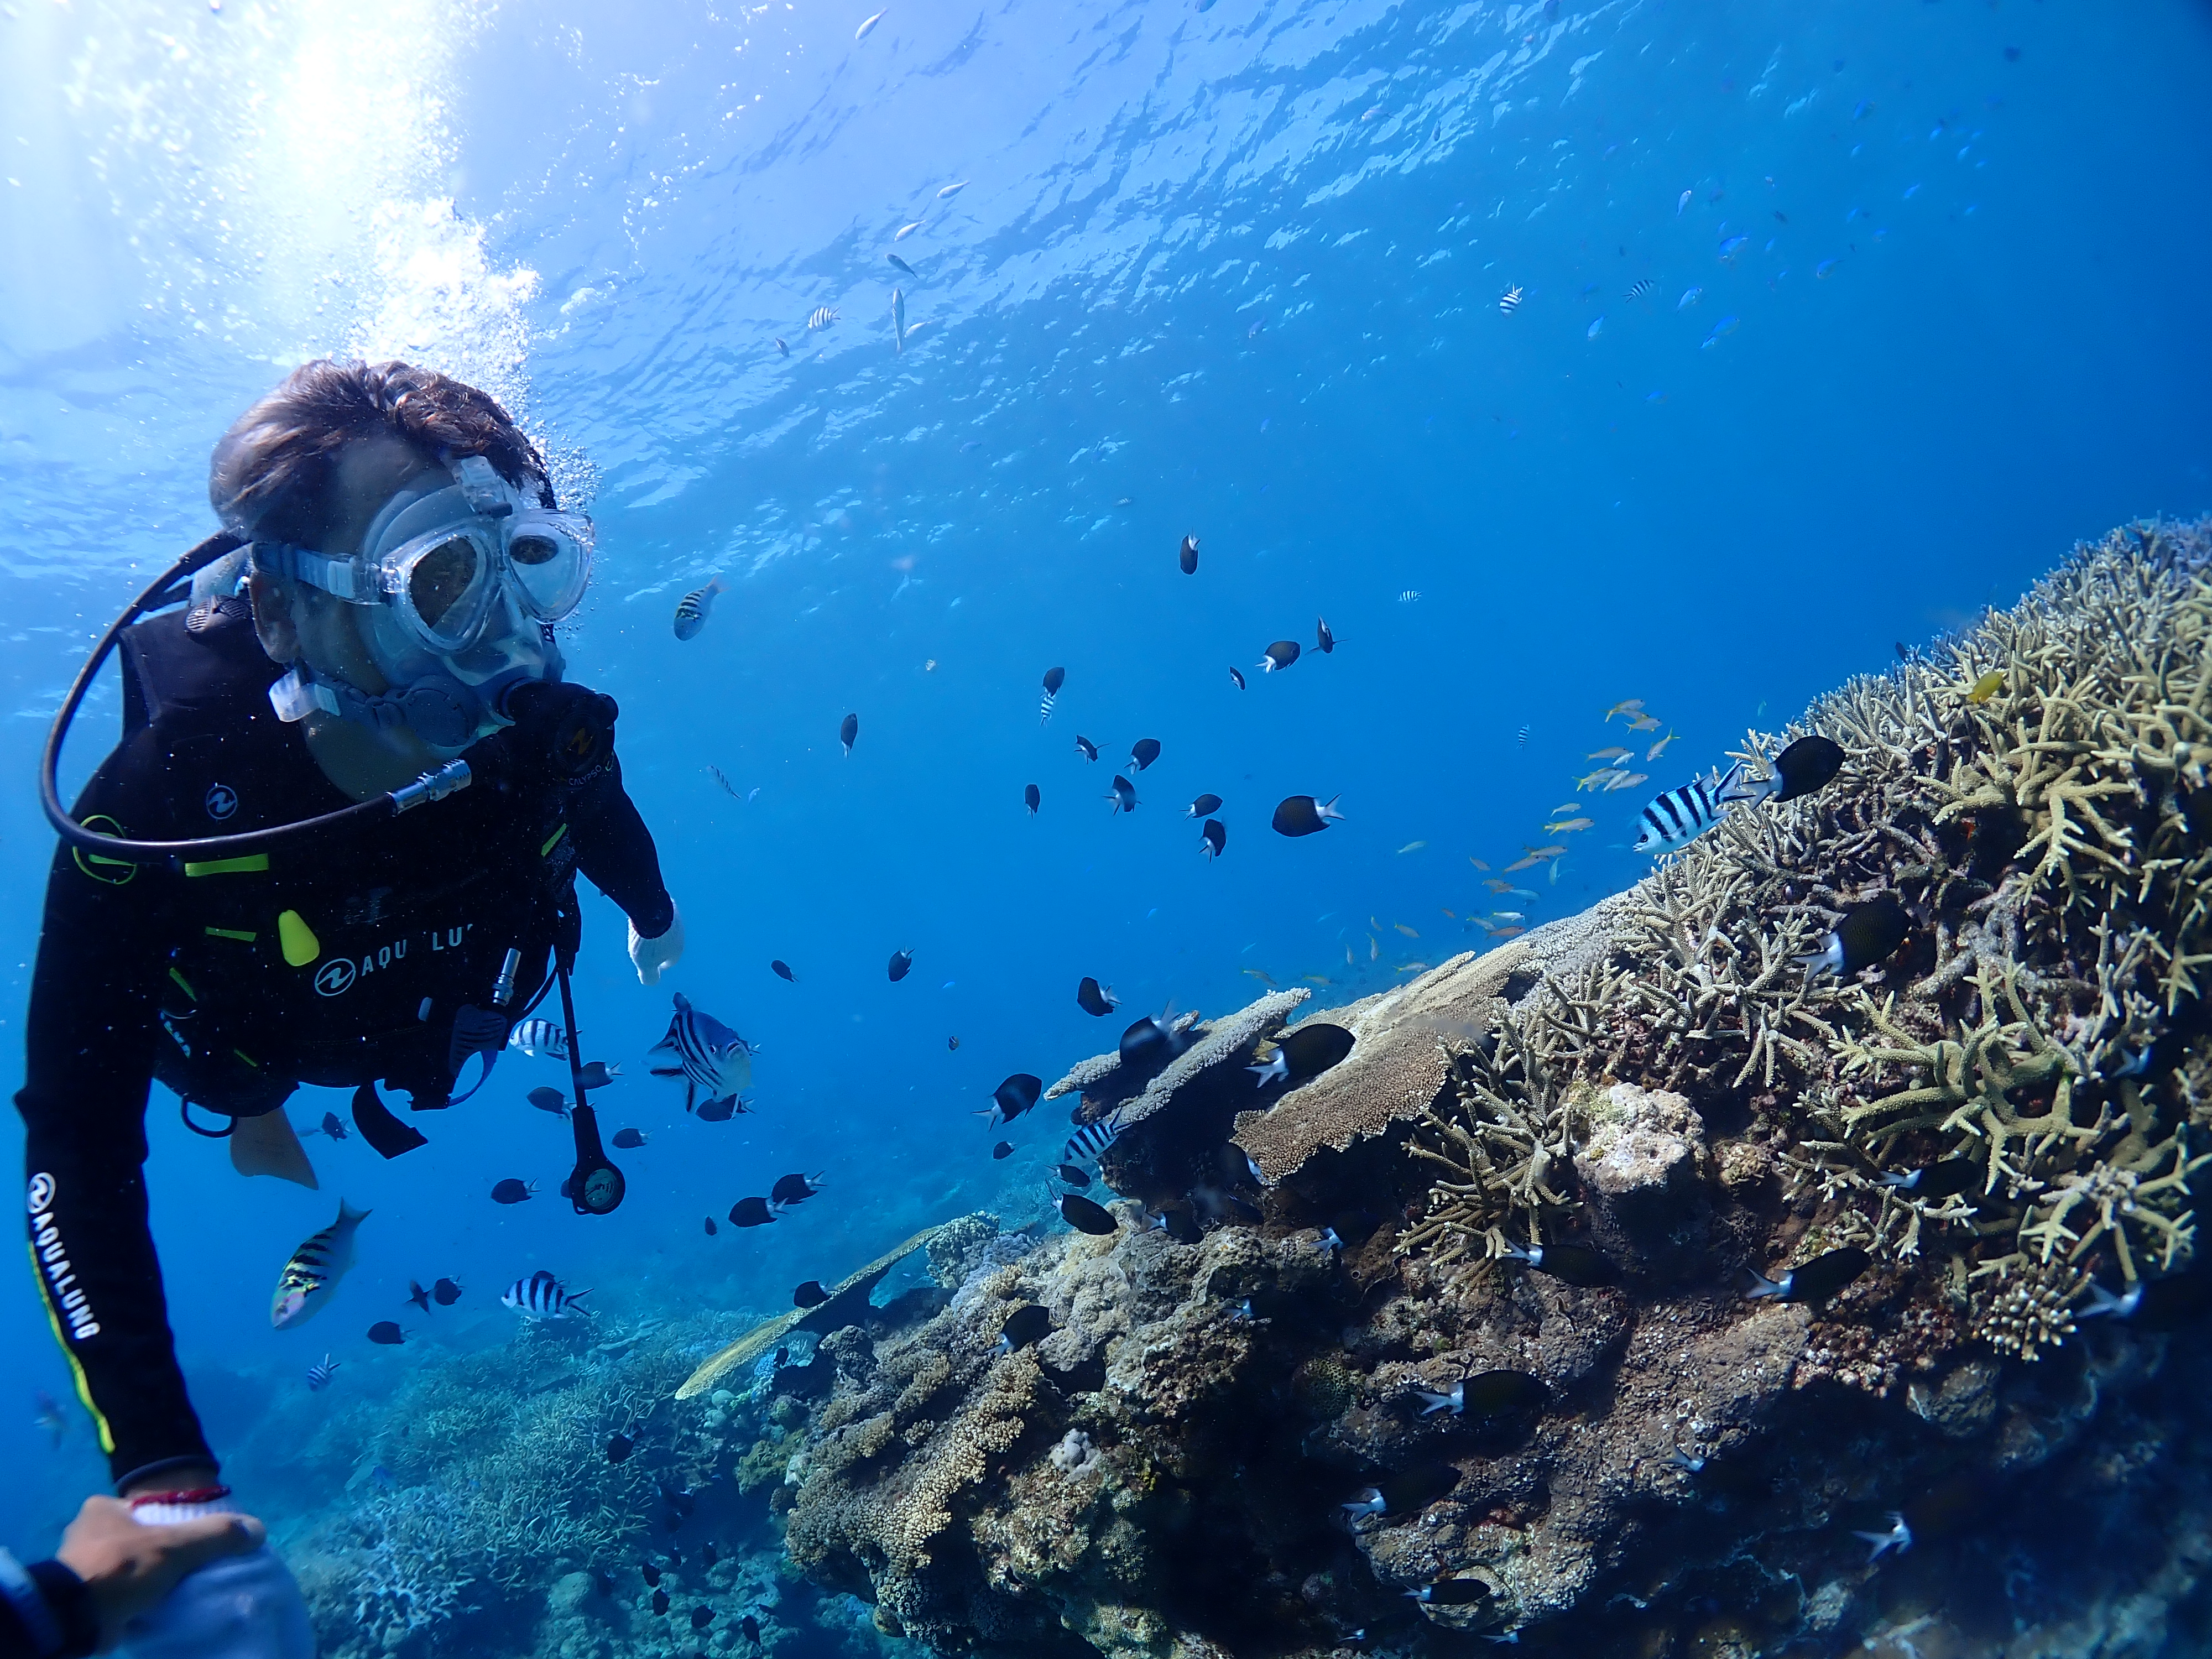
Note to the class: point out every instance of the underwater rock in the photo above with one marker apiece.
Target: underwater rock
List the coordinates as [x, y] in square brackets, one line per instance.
[1643, 1180]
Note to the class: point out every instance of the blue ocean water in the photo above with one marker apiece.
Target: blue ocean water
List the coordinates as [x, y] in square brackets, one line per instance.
[1228, 269]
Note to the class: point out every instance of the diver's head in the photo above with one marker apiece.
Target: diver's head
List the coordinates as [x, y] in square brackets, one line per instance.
[409, 560]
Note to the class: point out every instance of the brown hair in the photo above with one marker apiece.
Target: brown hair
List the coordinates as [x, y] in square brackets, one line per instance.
[271, 474]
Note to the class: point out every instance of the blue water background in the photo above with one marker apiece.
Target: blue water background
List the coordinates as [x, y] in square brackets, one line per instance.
[1238, 265]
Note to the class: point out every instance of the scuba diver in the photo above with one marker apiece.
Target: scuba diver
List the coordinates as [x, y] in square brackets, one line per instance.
[336, 845]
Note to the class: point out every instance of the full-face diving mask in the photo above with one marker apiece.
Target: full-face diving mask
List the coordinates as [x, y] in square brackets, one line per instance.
[464, 582]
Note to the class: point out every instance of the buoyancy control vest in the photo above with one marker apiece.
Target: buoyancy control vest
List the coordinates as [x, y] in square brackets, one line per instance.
[393, 950]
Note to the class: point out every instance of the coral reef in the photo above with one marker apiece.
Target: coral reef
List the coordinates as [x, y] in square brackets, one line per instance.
[1470, 1305]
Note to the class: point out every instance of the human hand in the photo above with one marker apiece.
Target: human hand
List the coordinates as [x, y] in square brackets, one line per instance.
[130, 1567]
[664, 950]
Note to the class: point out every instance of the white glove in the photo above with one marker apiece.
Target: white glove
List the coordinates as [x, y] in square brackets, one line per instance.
[650, 956]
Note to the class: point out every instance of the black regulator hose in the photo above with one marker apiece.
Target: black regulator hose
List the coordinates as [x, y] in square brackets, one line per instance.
[173, 586]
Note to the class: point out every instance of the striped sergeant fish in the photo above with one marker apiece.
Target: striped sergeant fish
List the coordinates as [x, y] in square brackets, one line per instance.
[314, 1269]
[691, 609]
[1089, 1140]
[1676, 817]
[1639, 287]
[540, 1297]
[319, 1375]
[820, 317]
[539, 1037]
[1510, 301]
[710, 1058]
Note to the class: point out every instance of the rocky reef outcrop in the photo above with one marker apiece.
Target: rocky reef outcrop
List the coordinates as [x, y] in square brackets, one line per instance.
[1675, 1279]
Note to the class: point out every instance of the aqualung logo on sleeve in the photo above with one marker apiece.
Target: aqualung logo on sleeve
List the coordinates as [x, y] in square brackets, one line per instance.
[221, 801]
[63, 1290]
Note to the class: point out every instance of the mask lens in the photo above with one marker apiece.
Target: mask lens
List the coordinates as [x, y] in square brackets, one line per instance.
[441, 579]
[551, 561]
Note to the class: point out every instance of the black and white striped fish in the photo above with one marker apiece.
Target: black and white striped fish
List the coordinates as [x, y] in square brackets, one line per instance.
[313, 1270]
[539, 1037]
[691, 609]
[1510, 301]
[706, 1053]
[319, 1375]
[1054, 679]
[1639, 287]
[1089, 1140]
[1676, 817]
[540, 1297]
[820, 317]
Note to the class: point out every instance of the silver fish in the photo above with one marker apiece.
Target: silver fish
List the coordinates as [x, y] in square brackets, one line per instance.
[898, 320]
[867, 23]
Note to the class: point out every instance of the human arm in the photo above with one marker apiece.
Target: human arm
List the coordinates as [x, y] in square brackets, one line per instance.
[90, 1038]
[615, 849]
[110, 1568]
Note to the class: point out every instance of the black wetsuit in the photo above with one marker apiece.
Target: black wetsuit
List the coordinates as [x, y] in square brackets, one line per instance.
[332, 958]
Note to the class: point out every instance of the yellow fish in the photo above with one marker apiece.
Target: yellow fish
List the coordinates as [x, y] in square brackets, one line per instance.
[1600, 779]
[1657, 749]
[1612, 754]
[1498, 886]
[1347, 957]
[1568, 806]
[1517, 864]
[1411, 846]
[1542, 852]
[1406, 930]
[1412, 967]
[1374, 951]
[1316, 979]
[1505, 932]
[1448, 913]
[1986, 687]
[1477, 863]
[1568, 826]
[1627, 780]
[1260, 976]
[1633, 705]
[1643, 723]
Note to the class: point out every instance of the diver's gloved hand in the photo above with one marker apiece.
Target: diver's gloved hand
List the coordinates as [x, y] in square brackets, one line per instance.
[570, 728]
[650, 956]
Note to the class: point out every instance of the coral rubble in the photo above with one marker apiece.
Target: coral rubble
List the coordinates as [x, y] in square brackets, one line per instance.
[1468, 1307]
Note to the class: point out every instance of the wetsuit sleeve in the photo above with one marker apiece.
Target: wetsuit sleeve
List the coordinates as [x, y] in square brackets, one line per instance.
[615, 850]
[89, 1044]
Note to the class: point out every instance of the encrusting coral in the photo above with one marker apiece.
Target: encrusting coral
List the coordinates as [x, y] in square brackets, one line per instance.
[1469, 1306]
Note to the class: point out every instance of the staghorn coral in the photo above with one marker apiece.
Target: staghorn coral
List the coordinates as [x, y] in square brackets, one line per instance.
[2026, 1306]
[1504, 1139]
